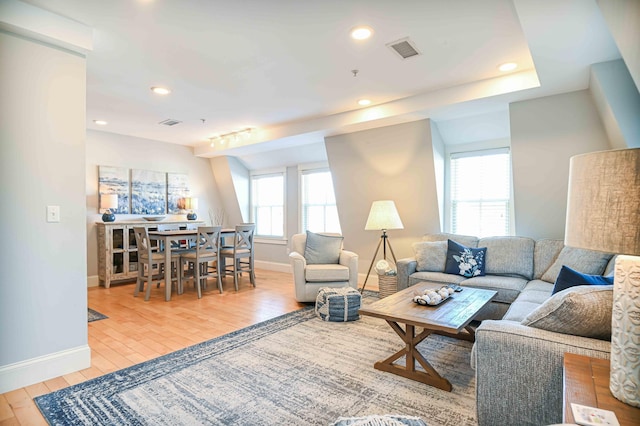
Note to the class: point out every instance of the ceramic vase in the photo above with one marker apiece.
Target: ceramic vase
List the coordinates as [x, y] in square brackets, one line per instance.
[625, 331]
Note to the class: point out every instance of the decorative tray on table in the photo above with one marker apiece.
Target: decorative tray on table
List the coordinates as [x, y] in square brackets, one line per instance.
[434, 297]
[153, 218]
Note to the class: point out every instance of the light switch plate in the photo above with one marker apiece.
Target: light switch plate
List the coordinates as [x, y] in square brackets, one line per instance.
[53, 213]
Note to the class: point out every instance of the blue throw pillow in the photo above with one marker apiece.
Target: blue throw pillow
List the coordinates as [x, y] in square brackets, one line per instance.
[465, 261]
[569, 277]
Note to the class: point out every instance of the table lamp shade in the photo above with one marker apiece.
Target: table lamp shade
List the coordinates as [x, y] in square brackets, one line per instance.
[109, 201]
[190, 203]
[603, 213]
[383, 215]
[603, 207]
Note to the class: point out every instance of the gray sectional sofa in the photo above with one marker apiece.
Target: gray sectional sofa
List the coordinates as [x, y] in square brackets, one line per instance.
[518, 367]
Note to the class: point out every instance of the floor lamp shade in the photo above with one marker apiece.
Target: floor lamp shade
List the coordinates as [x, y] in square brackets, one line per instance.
[383, 215]
[603, 213]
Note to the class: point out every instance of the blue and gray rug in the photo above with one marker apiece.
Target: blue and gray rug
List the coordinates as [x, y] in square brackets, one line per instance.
[94, 315]
[291, 370]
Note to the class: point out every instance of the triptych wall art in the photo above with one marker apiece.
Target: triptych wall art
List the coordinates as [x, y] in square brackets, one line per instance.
[143, 191]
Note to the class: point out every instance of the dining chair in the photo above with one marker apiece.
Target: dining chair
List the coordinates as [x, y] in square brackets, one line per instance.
[207, 250]
[180, 246]
[241, 253]
[147, 257]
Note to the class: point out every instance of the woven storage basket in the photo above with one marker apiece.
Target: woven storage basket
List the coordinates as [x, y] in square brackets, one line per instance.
[387, 284]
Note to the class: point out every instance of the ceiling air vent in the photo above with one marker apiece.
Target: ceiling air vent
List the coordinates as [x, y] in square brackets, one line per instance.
[404, 47]
[170, 122]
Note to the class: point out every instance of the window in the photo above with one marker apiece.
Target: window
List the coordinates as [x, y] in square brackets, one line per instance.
[480, 192]
[318, 202]
[267, 204]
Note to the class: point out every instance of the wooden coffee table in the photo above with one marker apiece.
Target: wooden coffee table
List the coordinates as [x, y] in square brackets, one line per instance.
[450, 318]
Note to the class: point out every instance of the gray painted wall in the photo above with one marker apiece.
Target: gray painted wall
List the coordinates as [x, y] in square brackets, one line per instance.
[396, 163]
[545, 133]
[43, 267]
[110, 149]
[618, 102]
[439, 164]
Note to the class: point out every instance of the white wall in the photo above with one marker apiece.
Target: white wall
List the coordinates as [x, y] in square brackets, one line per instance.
[618, 102]
[110, 149]
[545, 133]
[227, 171]
[439, 164]
[43, 269]
[396, 163]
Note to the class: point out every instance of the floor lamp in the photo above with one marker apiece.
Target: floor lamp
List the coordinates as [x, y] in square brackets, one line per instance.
[382, 217]
[603, 213]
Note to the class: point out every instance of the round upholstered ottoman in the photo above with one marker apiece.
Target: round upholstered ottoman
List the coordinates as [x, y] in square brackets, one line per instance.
[338, 304]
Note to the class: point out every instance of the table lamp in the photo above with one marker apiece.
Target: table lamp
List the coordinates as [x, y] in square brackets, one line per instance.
[603, 213]
[109, 202]
[382, 217]
[191, 204]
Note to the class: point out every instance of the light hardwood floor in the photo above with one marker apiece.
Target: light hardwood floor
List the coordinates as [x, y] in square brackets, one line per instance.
[137, 331]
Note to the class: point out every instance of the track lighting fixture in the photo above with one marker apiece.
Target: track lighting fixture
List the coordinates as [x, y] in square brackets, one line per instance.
[221, 140]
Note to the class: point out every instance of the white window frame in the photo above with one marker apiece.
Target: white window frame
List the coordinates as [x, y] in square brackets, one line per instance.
[304, 169]
[448, 181]
[263, 174]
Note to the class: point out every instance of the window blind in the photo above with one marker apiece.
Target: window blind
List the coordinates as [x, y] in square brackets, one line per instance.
[267, 204]
[319, 212]
[480, 192]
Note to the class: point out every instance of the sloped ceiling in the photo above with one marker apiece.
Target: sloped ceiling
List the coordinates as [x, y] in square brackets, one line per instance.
[284, 67]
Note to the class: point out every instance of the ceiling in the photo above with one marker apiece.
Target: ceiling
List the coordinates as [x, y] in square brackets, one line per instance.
[284, 67]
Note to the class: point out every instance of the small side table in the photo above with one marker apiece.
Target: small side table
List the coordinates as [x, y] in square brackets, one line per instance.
[586, 382]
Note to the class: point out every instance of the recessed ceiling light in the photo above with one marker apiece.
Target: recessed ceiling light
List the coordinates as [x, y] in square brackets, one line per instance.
[361, 33]
[364, 102]
[509, 66]
[100, 122]
[160, 90]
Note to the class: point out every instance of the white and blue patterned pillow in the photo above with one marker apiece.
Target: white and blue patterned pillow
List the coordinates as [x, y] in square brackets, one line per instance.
[466, 261]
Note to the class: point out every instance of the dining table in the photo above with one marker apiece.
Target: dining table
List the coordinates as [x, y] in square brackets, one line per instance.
[176, 235]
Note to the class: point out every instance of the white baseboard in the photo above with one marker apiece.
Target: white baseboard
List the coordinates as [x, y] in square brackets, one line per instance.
[35, 370]
[93, 281]
[373, 279]
[273, 266]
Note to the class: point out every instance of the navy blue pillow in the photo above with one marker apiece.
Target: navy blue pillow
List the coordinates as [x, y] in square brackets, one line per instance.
[465, 261]
[569, 278]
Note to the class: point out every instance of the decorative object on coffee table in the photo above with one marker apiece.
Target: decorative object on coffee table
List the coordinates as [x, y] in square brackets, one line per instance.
[382, 217]
[338, 304]
[603, 213]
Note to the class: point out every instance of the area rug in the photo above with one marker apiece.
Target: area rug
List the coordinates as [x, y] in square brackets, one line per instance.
[291, 370]
[94, 315]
